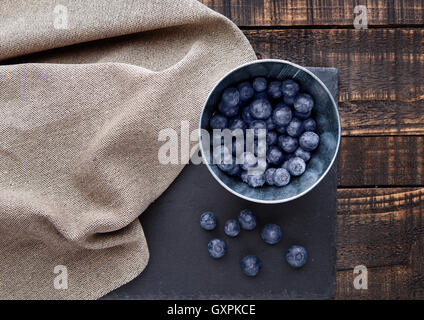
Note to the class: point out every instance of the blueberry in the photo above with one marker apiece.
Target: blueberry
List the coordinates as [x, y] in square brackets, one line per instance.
[296, 166]
[302, 116]
[287, 143]
[274, 156]
[274, 90]
[270, 125]
[271, 138]
[208, 220]
[288, 100]
[246, 116]
[269, 176]
[247, 219]
[271, 233]
[237, 147]
[309, 141]
[303, 103]
[218, 121]
[248, 160]
[256, 125]
[282, 115]
[228, 111]
[290, 88]
[260, 148]
[259, 84]
[260, 109]
[231, 97]
[246, 91]
[236, 123]
[295, 128]
[217, 248]
[281, 177]
[234, 171]
[232, 228]
[281, 129]
[309, 124]
[260, 95]
[296, 256]
[305, 155]
[225, 161]
[250, 265]
[256, 180]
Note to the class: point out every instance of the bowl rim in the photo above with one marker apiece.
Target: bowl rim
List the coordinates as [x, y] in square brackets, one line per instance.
[319, 179]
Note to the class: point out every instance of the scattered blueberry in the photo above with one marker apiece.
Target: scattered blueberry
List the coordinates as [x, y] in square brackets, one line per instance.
[274, 90]
[232, 228]
[271, 233]
[208, 220]
[303, 103]
[231, 97]
[236, 123]
[260, 109]
[305, 155]
[281, 177]
[269, 176]
[217, 248]
[247, 219]
[309, 124]
[296, 256]
[287, 143]
[246, 91]
[296, 166]
[274, 156]
[259, 84]
[309, 141]
[282, 115]
[290, 88]
[250, 265]
[295, 128]
[218, 121]
[271, 138]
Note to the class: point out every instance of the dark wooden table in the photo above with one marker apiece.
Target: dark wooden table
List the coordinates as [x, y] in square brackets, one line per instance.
[381, 161]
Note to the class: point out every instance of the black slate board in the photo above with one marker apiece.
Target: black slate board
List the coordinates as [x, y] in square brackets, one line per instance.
[180, 267]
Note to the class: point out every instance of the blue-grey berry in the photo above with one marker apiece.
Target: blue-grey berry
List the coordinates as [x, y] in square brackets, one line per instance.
[297, 166]
[269, 176]
[309, 141]
[218, 121]
[246, 116]
[271, 138]
[274, 155]
[309, 124]
[260, 109]
[256, 180]
[305, 155]
[246, 91]
[260, 84]
[281, 177]
[302, 116]
[281, 115]
[250, 265]
[231, 97]
[303, 103]
[290, 88]
[227, 110]
[232, 228]
[256, 125]
[274, 90]
[217, 248]
[208, 220]
[270, 125]
[296, 256]
[236, 123]
[247, 219]
[295, 128]
[287, 143]
[271, 233]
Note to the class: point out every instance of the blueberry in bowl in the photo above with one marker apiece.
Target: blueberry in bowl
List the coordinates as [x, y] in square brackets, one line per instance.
[289, 128]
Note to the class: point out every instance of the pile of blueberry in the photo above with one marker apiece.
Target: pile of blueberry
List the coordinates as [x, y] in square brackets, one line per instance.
[287, 115]
[296, 256]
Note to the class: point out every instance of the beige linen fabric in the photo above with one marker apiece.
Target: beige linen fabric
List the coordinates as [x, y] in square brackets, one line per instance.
[80, 112]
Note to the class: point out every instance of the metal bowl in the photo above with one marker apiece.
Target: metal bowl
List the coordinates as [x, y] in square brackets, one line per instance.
[328, 127]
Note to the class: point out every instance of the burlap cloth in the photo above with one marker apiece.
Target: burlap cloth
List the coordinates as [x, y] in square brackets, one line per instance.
[79, 123]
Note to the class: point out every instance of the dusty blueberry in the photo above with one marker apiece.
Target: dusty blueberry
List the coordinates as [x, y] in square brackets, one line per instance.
[271, 138]
[274, 155]
[260, 95]
[281, 129]
[295, 128]
[248, 160]
[218, 121]
[281, 115]
[246, 116]
[309, 141]
[274, 90]
[247, 219]
[281, 177]
[232, 228]
[270, 125]
[234, 171]
[269, 176]
[287, 143]
[305, 155]
[217, 248]
[271, 233]
[259, 84]
[288, 100]
[302, 116]
[290, 88]
[260, 109]
[256, 125]
[231, 97]
[250, 265]
[236, 123]
[296, 166]
[223, 158]
[256, 180]
[296, 256]
[309, 124]
[208, 220]
[260, 148]
[303, 103]
[246, 91]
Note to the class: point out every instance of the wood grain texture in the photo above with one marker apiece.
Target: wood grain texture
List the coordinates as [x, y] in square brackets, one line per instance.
[381, 161]
[318, 12]
[382, 229]
[381, 73]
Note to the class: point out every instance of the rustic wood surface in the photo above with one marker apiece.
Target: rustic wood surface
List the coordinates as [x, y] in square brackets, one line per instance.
[381, 161]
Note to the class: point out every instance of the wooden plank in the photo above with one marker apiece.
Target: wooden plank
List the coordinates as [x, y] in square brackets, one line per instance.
[381, 161]
[382, 229]
[318, 12]
[380, 71]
